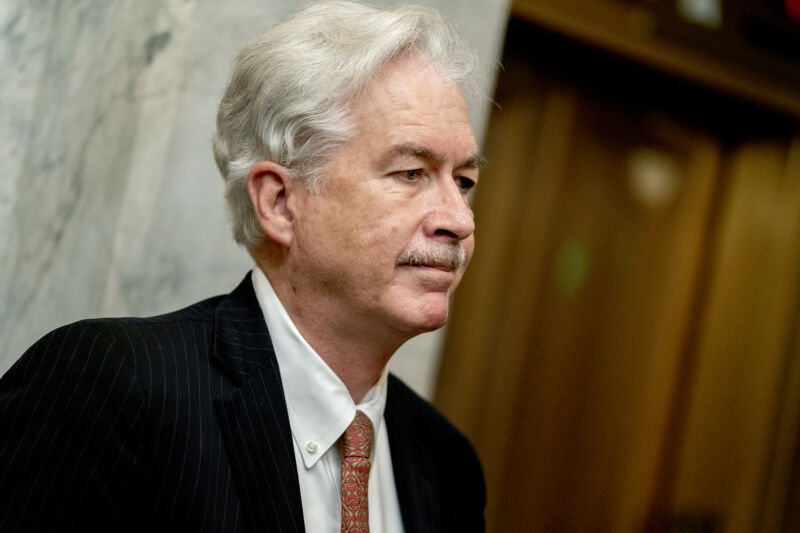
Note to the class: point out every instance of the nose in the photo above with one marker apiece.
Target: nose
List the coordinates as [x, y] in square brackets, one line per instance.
[450, 215]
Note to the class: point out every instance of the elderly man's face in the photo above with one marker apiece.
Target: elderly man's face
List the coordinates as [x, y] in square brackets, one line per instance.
[381, 240]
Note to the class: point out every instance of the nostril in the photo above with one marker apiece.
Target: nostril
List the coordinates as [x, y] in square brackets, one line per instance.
[445, 233]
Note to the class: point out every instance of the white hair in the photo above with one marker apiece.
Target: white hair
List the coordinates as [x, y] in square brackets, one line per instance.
[287, 99]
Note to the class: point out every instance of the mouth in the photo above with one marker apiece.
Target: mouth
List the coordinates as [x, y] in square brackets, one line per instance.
[437, 266]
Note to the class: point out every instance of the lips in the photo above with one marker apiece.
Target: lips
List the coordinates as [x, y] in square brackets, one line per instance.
[438, 266]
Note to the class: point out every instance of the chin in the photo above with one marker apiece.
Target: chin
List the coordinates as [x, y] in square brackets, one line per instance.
[428, 326]
[430, 317]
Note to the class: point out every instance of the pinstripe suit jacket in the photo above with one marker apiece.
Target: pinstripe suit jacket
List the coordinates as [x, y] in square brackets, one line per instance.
[179, 423]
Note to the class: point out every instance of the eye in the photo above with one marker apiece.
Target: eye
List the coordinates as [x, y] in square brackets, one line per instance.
[464, 183]
[412, 175]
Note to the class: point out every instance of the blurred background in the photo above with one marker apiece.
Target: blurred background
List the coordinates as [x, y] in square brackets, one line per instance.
[623, 351]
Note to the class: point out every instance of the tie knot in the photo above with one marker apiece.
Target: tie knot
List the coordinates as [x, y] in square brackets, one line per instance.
[357, 438]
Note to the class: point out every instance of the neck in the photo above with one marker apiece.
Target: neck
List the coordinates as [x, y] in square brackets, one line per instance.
[356, 351]
[357, 367]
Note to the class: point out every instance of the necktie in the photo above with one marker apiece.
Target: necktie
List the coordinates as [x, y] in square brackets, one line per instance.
[356, 444]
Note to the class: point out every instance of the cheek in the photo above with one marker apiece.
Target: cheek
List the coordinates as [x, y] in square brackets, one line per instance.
[377, 241]
[378, 225]
[366, 222]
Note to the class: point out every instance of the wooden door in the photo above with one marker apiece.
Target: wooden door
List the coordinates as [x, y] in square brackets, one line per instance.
[583, 352]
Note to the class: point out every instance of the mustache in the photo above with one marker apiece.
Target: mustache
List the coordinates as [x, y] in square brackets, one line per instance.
[450, 256]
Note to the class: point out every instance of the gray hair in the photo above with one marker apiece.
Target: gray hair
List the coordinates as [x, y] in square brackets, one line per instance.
[287, 99]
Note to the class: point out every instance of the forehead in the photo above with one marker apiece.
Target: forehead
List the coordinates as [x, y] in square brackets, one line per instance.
[413, 101]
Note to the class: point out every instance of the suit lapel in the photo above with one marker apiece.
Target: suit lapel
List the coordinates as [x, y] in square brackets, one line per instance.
[253, 417]
[413, 467]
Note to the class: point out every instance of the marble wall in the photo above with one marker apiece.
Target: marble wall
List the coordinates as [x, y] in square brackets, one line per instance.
[110, 202]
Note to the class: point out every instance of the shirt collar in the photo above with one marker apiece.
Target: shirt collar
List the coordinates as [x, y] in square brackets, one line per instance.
[319, 404]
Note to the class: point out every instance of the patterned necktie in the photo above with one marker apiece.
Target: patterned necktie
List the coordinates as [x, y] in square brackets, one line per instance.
[356, 443]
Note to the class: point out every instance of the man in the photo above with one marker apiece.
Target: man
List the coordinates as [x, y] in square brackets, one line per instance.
[345, 145]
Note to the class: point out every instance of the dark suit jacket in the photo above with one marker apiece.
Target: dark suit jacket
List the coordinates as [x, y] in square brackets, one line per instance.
[179, 423]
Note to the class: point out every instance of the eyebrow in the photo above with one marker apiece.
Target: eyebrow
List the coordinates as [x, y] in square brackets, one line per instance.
[476, 161]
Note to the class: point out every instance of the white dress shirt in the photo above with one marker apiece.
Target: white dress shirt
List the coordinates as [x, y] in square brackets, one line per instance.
[320, 409]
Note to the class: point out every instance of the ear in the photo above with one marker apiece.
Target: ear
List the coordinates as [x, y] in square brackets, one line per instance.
[268, 185]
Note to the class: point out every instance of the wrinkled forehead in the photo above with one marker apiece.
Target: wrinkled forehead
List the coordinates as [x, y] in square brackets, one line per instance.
[411, 95]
